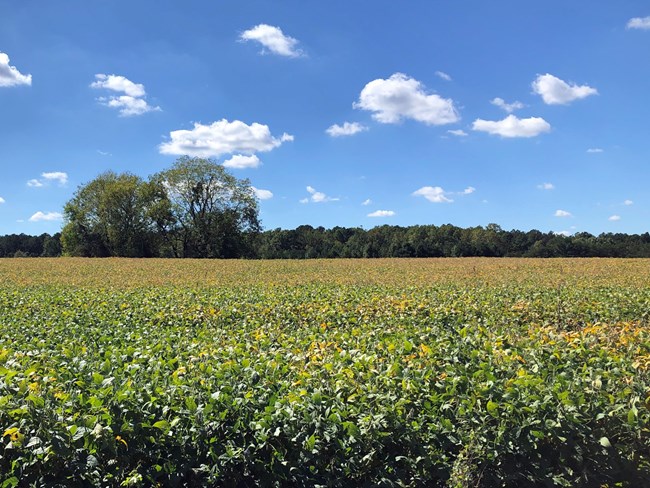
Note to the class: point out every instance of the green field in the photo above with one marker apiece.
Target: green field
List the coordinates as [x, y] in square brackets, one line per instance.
[437, 372]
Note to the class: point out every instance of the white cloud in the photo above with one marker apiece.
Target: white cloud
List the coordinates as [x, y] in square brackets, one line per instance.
[546, 186]
[129, 106]
[347, 129]
[639, 23]
[34, 183]
[564, 233]
[628, 202]
[59, 176]
[562, 213]
[512, 126]
[468, 191]
[49, 216]
[458, 132]
[401, 97]
[594, 150]
[317, 196]
[103, 153]
[443, 75]
[614, 218]
[434, 194]
[262, 194]
[54, 176]
[555, 91]
[132, 101]
[381, 213]
[2, 200]
[508, 107]
[9, 75]
[273, 39]
[239, 161]
[222, 137]
[366, 202]
[118, 84]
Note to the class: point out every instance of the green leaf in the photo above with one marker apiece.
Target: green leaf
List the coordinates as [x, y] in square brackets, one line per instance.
[492, 407]
[162, 425]
[604, 441]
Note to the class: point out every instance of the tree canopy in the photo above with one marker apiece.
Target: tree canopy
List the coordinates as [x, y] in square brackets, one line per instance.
[193, 209]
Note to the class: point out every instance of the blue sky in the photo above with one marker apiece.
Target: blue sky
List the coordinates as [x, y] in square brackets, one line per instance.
[340, 113]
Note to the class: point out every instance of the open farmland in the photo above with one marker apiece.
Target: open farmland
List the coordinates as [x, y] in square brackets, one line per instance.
[450, 372]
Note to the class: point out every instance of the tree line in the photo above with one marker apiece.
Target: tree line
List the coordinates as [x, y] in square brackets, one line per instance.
[196, 209]
[306, 242]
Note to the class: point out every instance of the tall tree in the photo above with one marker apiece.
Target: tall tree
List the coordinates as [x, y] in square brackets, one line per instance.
[108, 217]
[211, 214]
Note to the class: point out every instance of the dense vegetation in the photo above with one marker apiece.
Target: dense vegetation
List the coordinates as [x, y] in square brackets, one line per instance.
[473, 372]
[387, 241]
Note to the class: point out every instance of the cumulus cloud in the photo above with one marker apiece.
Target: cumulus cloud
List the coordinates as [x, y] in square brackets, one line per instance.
[239, 161]
[512, 126]
[443, 75]
[614, 218]
[317, 196]
[628, 202]
[434, 194]
[262, 194]
[639, 23]
[273, 39]
[45, 216]
[118, 84]
[59, 176]
[381, 213]
[34, 183]
[222, 137]
[555, 91]
[508, 107]
[131, 102]
[562, 213]
[595, 150]
[401, 97]
[366, 202]
[2, 200]
[9, 75]
[54, 176]
[347, 129]
[457, 132]
[546, 186]
[468, 191]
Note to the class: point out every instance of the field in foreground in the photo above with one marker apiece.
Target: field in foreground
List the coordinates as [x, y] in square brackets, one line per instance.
[456, 372]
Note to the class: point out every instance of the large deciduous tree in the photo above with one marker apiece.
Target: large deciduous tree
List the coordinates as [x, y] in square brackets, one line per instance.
[209, 213]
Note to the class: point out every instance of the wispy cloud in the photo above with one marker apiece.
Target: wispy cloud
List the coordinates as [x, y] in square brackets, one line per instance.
[401, 97]
[555, 91]
[546, 186]
[347, 129]
[458, 132]
[639, 23]
[628, 202]
[273, 39]
[317, 196]
[443, 75]
[508, 107]
[562, 213]
[2, 200]
[9, 75]
[595, 150]
[381, 213]
[366, 202]
[614, 218]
